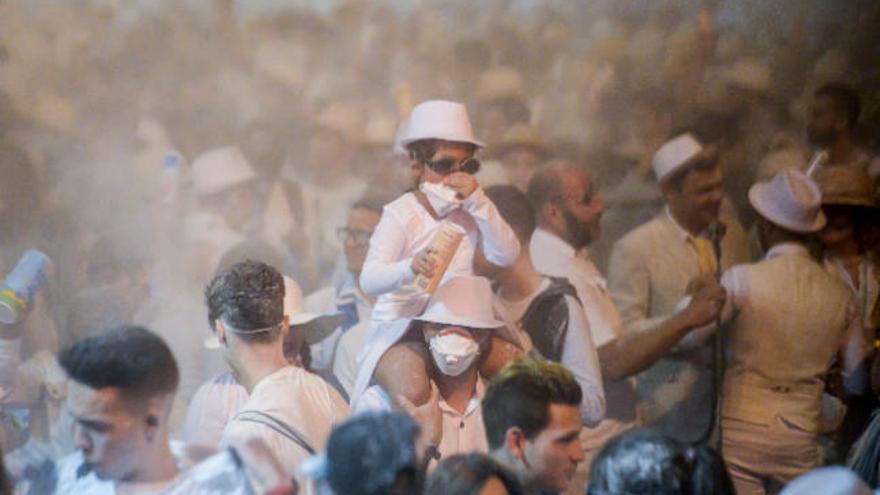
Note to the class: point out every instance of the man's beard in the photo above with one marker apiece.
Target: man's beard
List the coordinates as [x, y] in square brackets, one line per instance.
[579, 235]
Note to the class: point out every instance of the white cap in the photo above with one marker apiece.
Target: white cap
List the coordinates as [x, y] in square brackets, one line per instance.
[674, 154]
[463, 301]
[316, 327]
[832, 480]
[790, 200]
[219, 169]
[440, 119]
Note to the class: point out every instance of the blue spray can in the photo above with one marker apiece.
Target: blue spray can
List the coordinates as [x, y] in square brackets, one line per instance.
[21, 285]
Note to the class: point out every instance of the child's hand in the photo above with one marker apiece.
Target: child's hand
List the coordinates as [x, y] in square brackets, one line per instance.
[462, 183]
[424, 263]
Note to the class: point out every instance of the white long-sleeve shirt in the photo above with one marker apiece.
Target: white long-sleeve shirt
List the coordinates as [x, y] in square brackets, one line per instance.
[406, 228]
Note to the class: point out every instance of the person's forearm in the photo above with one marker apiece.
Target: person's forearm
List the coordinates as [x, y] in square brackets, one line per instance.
[633, 352]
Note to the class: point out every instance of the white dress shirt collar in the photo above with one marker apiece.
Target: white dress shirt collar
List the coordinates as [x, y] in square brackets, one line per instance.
[787, 248]
[551, 243]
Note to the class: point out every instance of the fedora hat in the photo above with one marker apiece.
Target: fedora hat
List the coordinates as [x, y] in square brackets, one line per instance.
[440, 119]
[219, 169]
[790, 200]
[462, 301]
[846, 185]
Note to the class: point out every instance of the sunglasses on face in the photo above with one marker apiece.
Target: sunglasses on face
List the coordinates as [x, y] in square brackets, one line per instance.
[446, 166]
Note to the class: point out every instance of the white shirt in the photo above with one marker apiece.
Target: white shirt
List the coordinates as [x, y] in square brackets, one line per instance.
[462, 433]
[345, 364]
[302, 400]
[407, 228]
[553, 256]
[578, 353]
[328, 301]
[213, 406]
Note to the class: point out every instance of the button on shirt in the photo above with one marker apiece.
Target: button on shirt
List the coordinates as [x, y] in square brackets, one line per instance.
[462, 433]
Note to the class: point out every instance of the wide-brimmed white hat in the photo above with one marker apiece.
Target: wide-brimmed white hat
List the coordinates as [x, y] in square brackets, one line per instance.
[675, 154]
[440, 119]
[316, 327]
[832, 480]
[219, 169]
[462, 301]
[790, 200]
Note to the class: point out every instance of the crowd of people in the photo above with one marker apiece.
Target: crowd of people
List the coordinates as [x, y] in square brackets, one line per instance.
[607, 247]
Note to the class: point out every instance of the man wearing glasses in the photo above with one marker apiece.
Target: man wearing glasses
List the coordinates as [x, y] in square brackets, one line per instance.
[338, 352]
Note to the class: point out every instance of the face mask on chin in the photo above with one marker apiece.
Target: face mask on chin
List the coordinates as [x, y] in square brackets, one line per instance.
[441, 198]
[453, 353]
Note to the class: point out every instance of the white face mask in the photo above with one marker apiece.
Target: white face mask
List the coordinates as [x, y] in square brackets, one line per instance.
[453, 353]
[441, 198]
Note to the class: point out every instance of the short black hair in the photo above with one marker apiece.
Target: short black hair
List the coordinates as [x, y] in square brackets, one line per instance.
[130, 358]
[371, 202]
[845, 100]
[515, 209]
[466, 474]
[520, 396]
[425, 149]
[248, 296]
[374, 454]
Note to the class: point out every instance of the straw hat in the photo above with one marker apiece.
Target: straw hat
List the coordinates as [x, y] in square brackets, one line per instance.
[790, 200]
[750, 74]
[523, 136]
[500, 82]
[462, 301]
[846, 185]
[219, 169]
[343, 120]
[440, 119]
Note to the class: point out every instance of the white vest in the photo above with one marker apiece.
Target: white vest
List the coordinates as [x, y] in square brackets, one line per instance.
[783, 341]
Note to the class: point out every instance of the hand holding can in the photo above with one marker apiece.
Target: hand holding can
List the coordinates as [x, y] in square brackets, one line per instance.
[22, 284]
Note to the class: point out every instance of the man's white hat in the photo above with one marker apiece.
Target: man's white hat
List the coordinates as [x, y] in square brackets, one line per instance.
[462, 301]
[674, 154]
[832, 480]
[219, 169]
[440, 119]
[316, 327]
[790, 200]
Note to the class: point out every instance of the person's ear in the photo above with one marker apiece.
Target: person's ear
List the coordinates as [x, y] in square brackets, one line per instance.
[515, 441]
[221, 331]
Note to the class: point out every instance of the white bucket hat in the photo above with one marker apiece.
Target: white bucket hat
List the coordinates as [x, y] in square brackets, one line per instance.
[316, 327]
[440, 119]
[462, 301]
[790, 200]
[674, 154]
[219, 169]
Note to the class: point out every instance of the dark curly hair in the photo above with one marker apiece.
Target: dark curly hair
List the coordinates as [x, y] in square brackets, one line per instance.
[248, 296]
[374, 454]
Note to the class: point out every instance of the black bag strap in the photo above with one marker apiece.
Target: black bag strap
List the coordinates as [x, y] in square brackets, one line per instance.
[279, 425]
